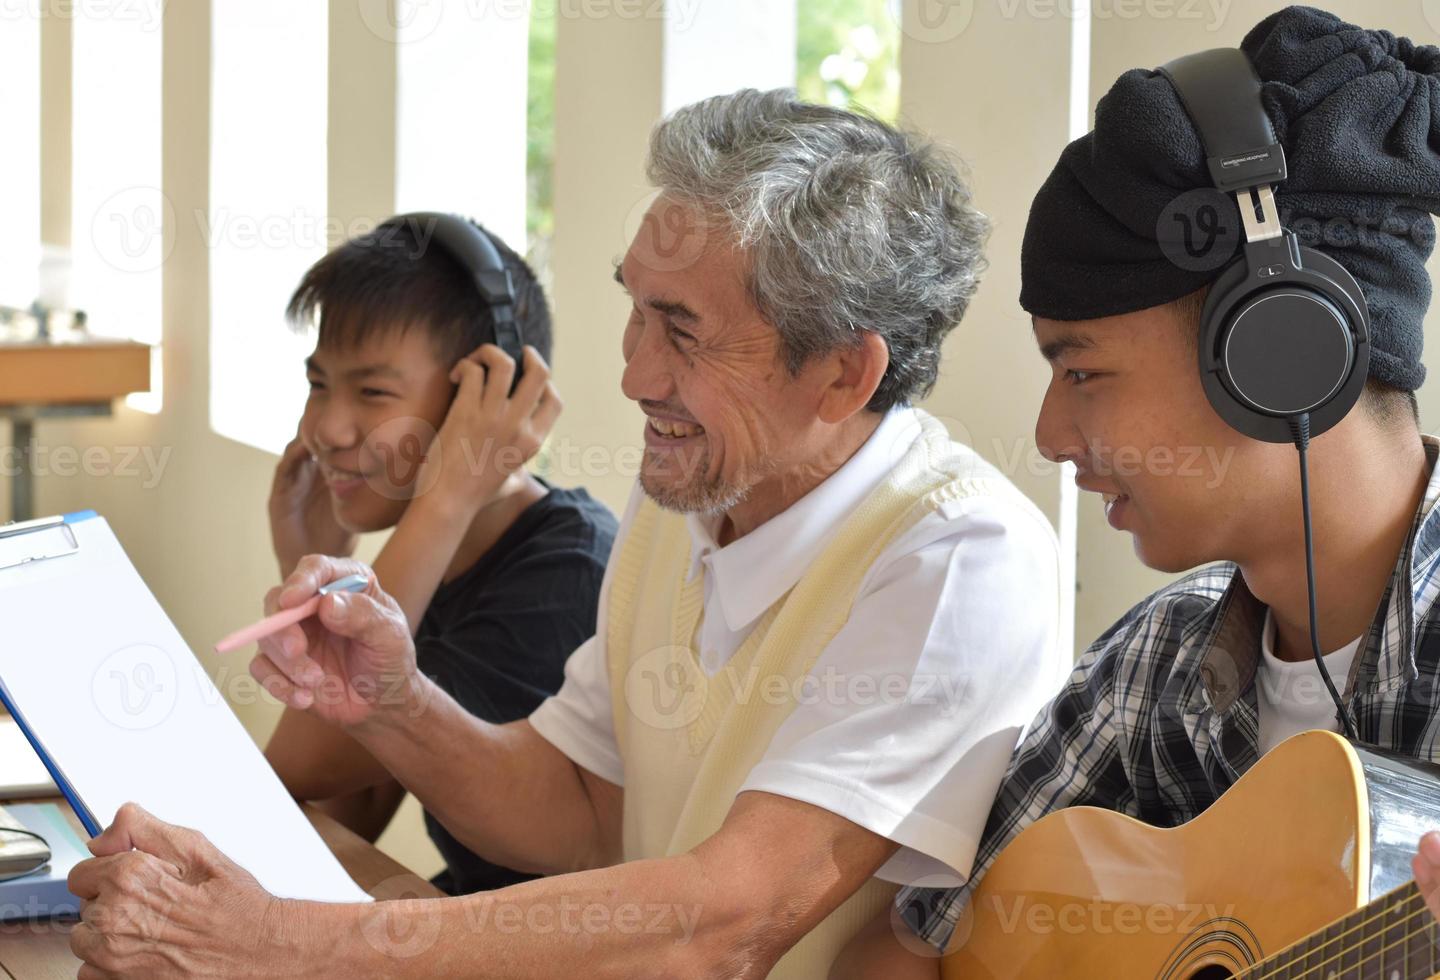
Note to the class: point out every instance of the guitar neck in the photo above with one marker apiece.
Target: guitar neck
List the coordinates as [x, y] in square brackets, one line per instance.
[1393, 937]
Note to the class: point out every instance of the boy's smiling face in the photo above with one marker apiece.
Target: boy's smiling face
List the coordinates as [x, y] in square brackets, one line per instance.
[1125, 404]
[374, 408]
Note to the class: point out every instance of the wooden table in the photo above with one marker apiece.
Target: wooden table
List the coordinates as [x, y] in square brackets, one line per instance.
[71, 372]
[61, 379]
[41, 950]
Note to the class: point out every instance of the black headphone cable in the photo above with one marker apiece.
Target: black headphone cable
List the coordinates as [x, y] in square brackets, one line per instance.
[1300, 429]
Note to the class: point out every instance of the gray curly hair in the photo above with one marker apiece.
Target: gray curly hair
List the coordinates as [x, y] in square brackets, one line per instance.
[849, 224]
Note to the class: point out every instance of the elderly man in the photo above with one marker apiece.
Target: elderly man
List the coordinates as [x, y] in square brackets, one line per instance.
[822, 628]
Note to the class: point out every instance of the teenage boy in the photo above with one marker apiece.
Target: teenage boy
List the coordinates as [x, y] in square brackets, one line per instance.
[497, 572]
[1180, 698]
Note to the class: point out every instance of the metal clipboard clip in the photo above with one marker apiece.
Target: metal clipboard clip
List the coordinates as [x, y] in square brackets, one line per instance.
[44, 538]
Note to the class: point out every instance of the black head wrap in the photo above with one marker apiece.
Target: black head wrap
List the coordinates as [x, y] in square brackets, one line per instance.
[1116, 227]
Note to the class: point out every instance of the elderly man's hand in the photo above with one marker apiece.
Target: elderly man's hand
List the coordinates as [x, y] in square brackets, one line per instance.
[351, 658]
[159, 901]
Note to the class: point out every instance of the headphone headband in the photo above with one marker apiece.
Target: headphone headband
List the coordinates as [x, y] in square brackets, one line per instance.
[1221, 94]
[470, 245]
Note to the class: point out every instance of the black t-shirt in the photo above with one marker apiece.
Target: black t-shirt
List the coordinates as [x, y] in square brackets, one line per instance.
[496, 638]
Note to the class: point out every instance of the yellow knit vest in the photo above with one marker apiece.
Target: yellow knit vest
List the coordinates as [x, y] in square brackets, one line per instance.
[688, 741]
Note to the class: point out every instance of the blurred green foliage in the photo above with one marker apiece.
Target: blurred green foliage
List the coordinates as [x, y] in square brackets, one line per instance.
[848, 54]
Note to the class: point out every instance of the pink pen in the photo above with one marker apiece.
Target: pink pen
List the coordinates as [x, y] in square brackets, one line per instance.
[287, 617]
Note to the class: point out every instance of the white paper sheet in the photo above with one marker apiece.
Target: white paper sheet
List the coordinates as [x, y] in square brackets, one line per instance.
[126, 712]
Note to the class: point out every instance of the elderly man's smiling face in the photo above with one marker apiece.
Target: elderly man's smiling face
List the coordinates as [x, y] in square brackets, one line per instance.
[725, 419]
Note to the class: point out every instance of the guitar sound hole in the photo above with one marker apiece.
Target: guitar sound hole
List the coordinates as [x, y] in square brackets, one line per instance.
[1212, 973]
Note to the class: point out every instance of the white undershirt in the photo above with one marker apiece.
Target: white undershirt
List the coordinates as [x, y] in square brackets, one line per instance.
[914, 708]
[1292, 696]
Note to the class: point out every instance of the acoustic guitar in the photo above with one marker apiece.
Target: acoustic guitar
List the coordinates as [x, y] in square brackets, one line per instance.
[1301, 870]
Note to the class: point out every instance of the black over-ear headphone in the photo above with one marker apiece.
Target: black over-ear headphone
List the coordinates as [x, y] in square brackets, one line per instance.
[469, 245]
[1285, 332]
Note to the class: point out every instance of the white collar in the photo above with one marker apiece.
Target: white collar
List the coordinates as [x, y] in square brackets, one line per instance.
[750, 573]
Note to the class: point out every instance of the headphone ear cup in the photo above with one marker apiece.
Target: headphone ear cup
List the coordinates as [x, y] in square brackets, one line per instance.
[1220, 303]
[1298, 343]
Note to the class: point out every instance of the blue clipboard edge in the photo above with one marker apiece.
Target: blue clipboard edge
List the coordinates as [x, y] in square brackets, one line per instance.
[87, 819]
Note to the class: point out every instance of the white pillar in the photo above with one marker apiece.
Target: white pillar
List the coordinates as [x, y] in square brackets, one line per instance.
[56, 35]
[360, 175]
[607, 96]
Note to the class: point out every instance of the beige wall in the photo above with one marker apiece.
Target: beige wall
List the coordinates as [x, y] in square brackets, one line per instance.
[991, 379]
[607, 96]
[996, 92]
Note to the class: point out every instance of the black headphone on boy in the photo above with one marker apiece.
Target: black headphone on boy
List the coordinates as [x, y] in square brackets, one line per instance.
[470, 245]
[1285, 333]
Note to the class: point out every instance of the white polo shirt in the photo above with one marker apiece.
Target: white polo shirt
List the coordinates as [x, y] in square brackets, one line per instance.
[909, 716]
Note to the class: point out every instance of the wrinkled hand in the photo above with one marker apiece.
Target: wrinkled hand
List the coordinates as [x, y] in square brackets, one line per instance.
[160, 902]
[489, 434]
[350, 659]
[302, 518]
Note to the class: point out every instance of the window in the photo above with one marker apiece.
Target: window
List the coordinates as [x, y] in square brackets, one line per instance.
[460, 115]
[267, 220]
[703, 42]
[118, 212]
[20, 163]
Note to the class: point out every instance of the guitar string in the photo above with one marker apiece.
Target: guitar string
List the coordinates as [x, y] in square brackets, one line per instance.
[1413, 897]
[1379, 952]
[1294, 951]
[1315, 970]
[1250, 974]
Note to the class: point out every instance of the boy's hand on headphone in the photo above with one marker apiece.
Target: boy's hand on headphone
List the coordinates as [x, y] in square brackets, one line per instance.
[302, 517]
[489, 434]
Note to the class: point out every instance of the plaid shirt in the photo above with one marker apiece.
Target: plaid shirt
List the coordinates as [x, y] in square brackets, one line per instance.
[1160, 715]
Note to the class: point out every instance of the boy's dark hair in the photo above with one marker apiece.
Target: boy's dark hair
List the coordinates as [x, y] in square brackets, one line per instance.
[398, 277]
[1389, 407]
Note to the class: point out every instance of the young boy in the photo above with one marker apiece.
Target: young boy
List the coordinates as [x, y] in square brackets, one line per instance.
[1181, 697]
[498, 573]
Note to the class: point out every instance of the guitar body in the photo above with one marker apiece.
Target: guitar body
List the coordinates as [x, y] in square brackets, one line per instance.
[1316, 830]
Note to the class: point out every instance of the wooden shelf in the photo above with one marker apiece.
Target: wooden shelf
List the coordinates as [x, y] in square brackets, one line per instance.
[72, 373]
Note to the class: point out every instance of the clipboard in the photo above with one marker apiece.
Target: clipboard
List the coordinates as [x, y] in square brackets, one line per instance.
[43, 552]
[82, 628]
[44, 549]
